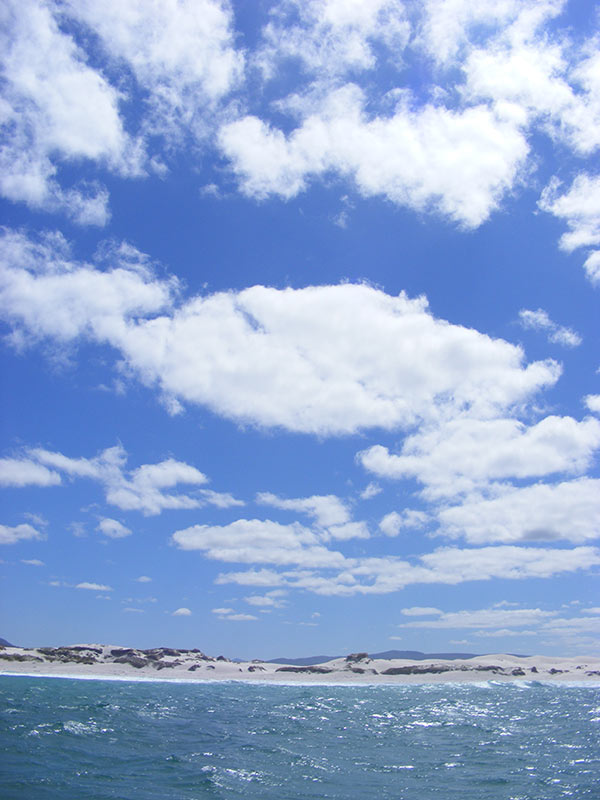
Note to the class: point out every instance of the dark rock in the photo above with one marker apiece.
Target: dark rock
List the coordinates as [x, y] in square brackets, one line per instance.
[357, 656]
[518, 671]
[19, 657]
[194, 667]
[222, 658]
[310, 669]
[533, 669]
[593, 672]
[430, 669]
[554, 671]
[123, 651]
[135, 661]
[255, 668]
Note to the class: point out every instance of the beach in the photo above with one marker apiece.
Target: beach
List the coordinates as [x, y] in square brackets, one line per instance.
[163, 663]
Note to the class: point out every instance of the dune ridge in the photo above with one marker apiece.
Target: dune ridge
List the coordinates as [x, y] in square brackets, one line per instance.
[89, 660]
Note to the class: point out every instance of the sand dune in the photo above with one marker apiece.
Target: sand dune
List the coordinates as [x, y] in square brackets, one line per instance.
[103, 661]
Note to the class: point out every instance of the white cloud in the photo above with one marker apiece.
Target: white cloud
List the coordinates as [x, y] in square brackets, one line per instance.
[18, 533]
[462, 454]
[331, 37]
[142, 489]
[220, 499]
[540, 321]
[568, 510]
[579, 206]
[483, 618]
[272, 599]
[372, 490]
[182, 53]
[447, 25]
[130, 610]
[592, 401]
[326, 510]
[24, 472]
[258, 541]
[457, 163]
[526, 66]
[94, 587]
[331, 515]
[32, 562]
[382, 575]
[231, 615]
[391, 524]
[315, 360]
[143, 579]
[182, 612]
[421, 611]
[56, 109]
[113, 528]
[498, 623]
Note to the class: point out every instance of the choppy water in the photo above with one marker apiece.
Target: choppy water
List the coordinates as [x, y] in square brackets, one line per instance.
[76, 739]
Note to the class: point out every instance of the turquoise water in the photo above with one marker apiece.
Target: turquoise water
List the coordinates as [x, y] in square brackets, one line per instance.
[74, 739]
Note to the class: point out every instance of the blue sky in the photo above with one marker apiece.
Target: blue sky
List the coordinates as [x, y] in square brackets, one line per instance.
[300, 325]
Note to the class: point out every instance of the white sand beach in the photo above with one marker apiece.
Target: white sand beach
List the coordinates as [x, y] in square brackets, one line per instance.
[107, 661]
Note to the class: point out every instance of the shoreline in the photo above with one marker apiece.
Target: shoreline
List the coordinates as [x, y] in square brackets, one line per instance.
[105, 662]
[299, 682]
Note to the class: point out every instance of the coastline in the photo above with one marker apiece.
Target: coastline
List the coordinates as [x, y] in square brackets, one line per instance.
[106, 662]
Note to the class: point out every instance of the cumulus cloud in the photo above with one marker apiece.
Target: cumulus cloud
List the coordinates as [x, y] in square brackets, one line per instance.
[331, 515]
[258, 541]
[24, 472]
[579, 207]
[182, 612]
[113, 528]
[568, 511]
[331, 37]
[500, 622]
[458, 163]
[231, 615]
[421, 611]
[391, 524]
[18, 533]
[94, 587]
[372, 490]
[522, 65]
[313, 360]
[326, 510]
[56, 108]
[146, 488]
[483, 618]
[540, 321]
[273, 599]
[59, 106]
[313, 567]
[592, 401]
[143, 579]
[463, 454]
[181, 52]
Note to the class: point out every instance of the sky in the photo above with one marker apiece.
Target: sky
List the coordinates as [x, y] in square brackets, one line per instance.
[299, 309]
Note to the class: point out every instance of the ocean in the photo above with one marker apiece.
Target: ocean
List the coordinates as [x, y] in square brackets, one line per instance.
[75, 739]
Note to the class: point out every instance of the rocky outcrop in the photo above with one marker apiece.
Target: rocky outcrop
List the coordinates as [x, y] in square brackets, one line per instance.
[19, 657]
[313, 670]
[357, 657]
[430, 669]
